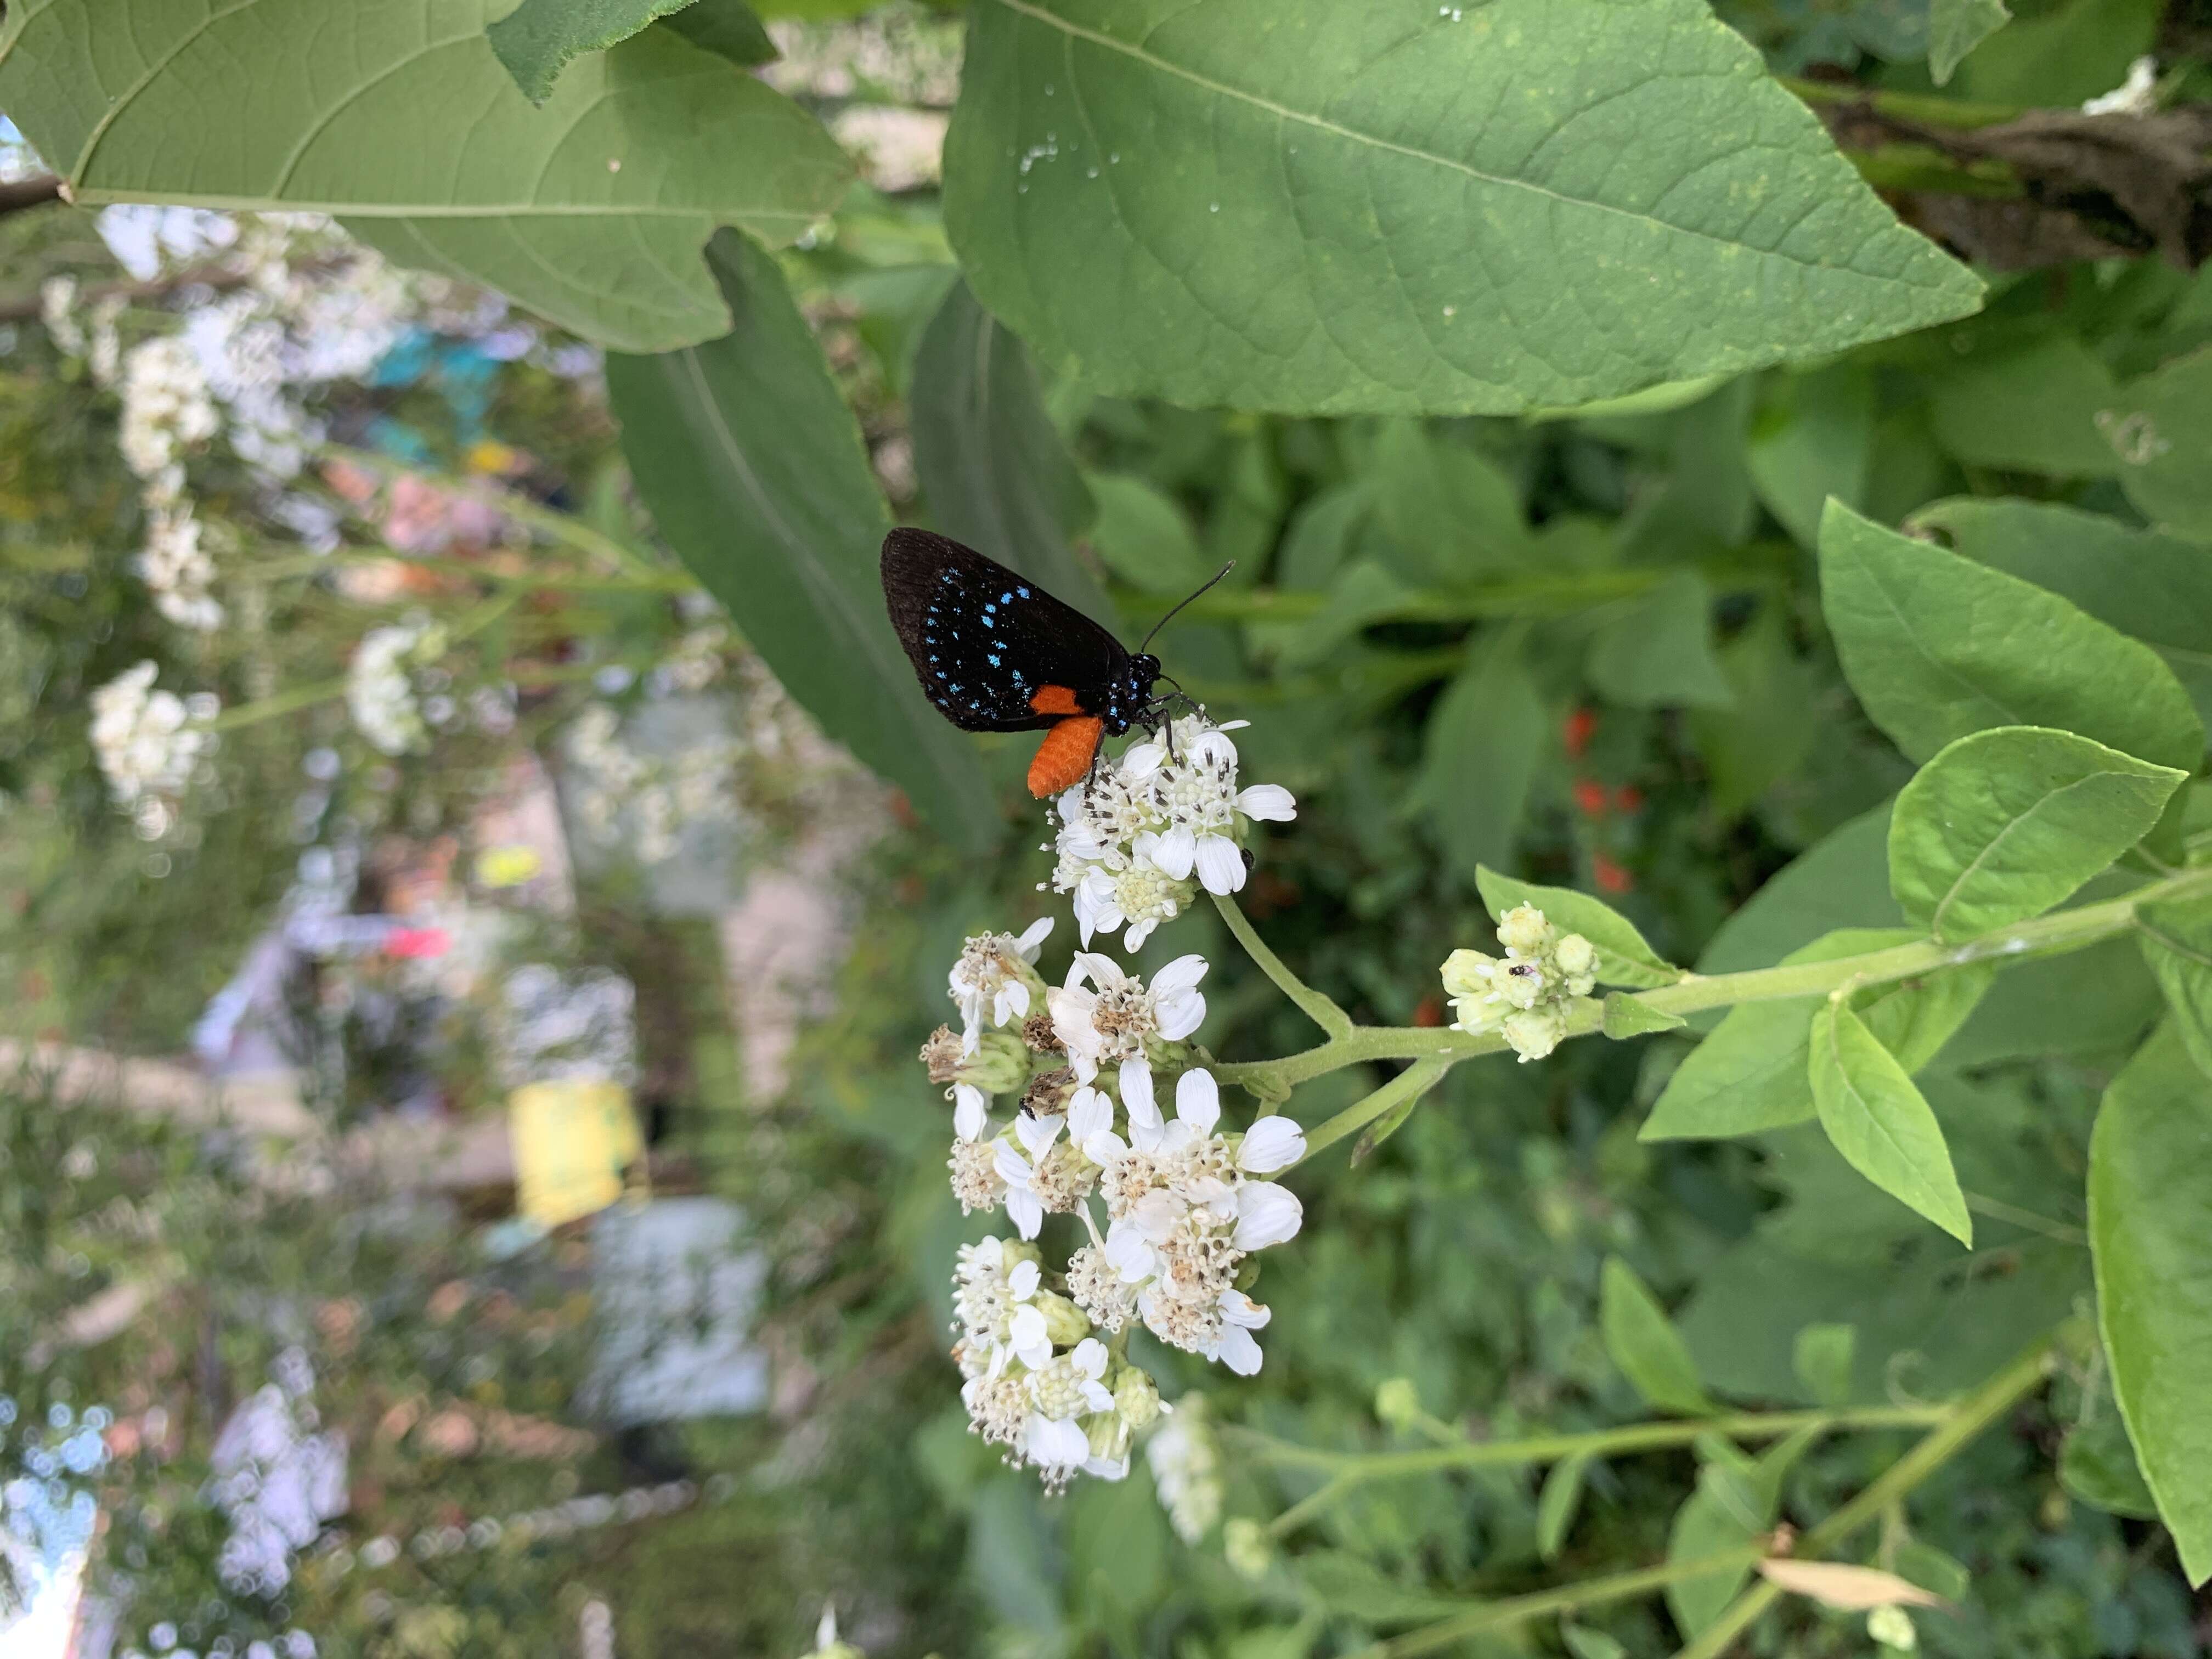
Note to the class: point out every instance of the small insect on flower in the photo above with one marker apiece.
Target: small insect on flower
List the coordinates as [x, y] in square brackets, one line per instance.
[996, 653]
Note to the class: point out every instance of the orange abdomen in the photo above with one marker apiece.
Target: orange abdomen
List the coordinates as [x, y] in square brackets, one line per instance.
[1064, 757]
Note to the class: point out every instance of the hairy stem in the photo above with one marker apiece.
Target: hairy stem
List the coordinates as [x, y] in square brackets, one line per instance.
[1411, 1084]
[1316, 1007]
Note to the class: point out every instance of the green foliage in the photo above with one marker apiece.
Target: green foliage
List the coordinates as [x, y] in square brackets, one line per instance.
[591, 210]
[540, 38]
[2176, 942]
[1878, 1121]
[1646, 1347]
[2003, 824]
[1955, 28]
[755, 475]
[1336, 181]
[2148, 1222]
[1624, 958]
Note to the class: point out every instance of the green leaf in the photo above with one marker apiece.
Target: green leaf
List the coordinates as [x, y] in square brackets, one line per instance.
[2152, 587]
[1816, 442]
[1143, 538]
[1362, 592]
[1932, 1570]
[2098, 1466]
[1583, 1642]
[2150, 1235]
[2087, 1004]
[1562, 1495]
[2004, 824]
[1450, 510]
[2033, 409]
[755, 471]
[1481, 749]
[1955, 28]
[1629, 1017]
[1648, 1350]
[992, 468]
[1323, 535]
[728, 28]
[2061, 55]
[1623, 956]
[1824, 1358]
[1773, 724]
[590, 211]
[1841, 881]
[1938, 646]
[1881, 1123]
[1751, 1075]
[1734, 1504]
[1656, 651]
[1315, 208]
[2176, 942]
[2161, 428]
[539, 38]
[1359, 1590]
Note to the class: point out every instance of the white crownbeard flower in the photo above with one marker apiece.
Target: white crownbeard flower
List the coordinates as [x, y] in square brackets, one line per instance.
[165, 407]
[994, 976]
[1041, 1174]
[1271, 1144]
[176, 571]
[148, 742]
[381, 691]
[1112, 1017]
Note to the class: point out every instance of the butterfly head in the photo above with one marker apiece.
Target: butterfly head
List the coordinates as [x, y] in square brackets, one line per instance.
[1129, 698]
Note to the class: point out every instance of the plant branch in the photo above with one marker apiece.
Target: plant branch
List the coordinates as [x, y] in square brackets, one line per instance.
[1965, 1423]
[1316, 1006]
[25, 193]
[1411, 1084]
[2050, 935]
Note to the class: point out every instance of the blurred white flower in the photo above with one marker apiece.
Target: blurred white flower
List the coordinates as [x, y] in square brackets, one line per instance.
[165, 407]
[993, 979]
[175, 569]
[1186, 1464]
[149, 744]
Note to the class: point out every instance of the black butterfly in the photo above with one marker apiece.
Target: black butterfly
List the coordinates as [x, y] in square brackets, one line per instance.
[996, 653]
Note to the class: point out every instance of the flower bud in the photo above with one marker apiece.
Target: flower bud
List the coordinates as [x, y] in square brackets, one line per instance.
[1247, 1273]
[1108, 1435]
[1244, 1542]
[1522, 985]
[1468, 973]
[1523, 931]
[1136, 1398]
[1574, 955]
[1892, 1626]
[1397, 1402]
[1534, 1033]
[999, 1066]
[1064, 1322]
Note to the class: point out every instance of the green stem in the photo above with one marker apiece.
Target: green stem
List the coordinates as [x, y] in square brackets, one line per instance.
[283, 703]
[1318, 1008]
[312, 563]
[1965, 1422]
[2050, 935]
[1920, 108]
[1411, 1084]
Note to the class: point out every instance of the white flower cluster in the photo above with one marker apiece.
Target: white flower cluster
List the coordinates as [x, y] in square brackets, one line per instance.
[1186, 1464]
[1184, 1206]
[1529, 995]
[1139, 838]
[381, 684]
[176, 571]
[165, 411]
[150, 745]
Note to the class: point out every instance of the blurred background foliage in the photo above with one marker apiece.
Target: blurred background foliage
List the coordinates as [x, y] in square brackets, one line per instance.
[1587, 649]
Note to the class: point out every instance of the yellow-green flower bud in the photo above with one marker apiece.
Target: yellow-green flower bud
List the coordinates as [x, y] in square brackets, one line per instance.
[1523, 931]
[1892, 1626]
[1064, 1322]
[1574, 955]
[1108, 1435]
[1468, 973]
[1397, 1402]
[1535, 1033]
[1244, 1543]
[1136, 1398]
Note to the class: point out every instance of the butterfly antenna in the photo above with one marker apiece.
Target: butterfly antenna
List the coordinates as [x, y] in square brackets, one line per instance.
[1180, 603]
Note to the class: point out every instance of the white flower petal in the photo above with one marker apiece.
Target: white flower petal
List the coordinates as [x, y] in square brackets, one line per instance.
[1129, 1252]
[1023, 1282]
[1134, 940]
[1033, 936]
[1239, 1350]
[1026, 1333]
[1089, 1357]
[1107, 1468]
[1142, 760]
[1220, 864]
[1037, 1135]
[1013, 1168]
[1013, 1001]
[1137, 1095]
[1198, 1100]
[1058, 1444]
[1096, 1396]
[1238, 1308]
[1023, 1211]
[1176, 849]
[1158, 1214]
[1176, 1017]
[1271, 1144]
[1270, 802]
[1266, 1214]
[1104, 1147]
[970, 1111]
[1089, 1113]
[1179, 975]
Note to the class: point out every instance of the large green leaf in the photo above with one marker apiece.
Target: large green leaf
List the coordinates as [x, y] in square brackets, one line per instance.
[1955, 28]
[1644, 1345]
[590, 210]
[2004, 824]
[1398, 207]
[1734, 1504]
[1655, 651]
[993, 469]
[2033, 409]
[1881, 1123]
[540, 38]
[2152, 587]
[2150, 1229]
[755, 471]
[1937, 646]
[2161, 428]
[1481, 749]
[1841, 881]
[1143, 538]
[1814, 441]
[2176, 942]
[1450, 511]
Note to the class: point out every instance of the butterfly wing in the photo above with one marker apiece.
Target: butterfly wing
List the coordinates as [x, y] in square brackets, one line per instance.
[986, 641]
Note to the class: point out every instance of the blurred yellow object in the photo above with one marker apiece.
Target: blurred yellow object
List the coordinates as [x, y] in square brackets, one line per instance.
[573, 1138]
[490, 457]
[507, 866]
